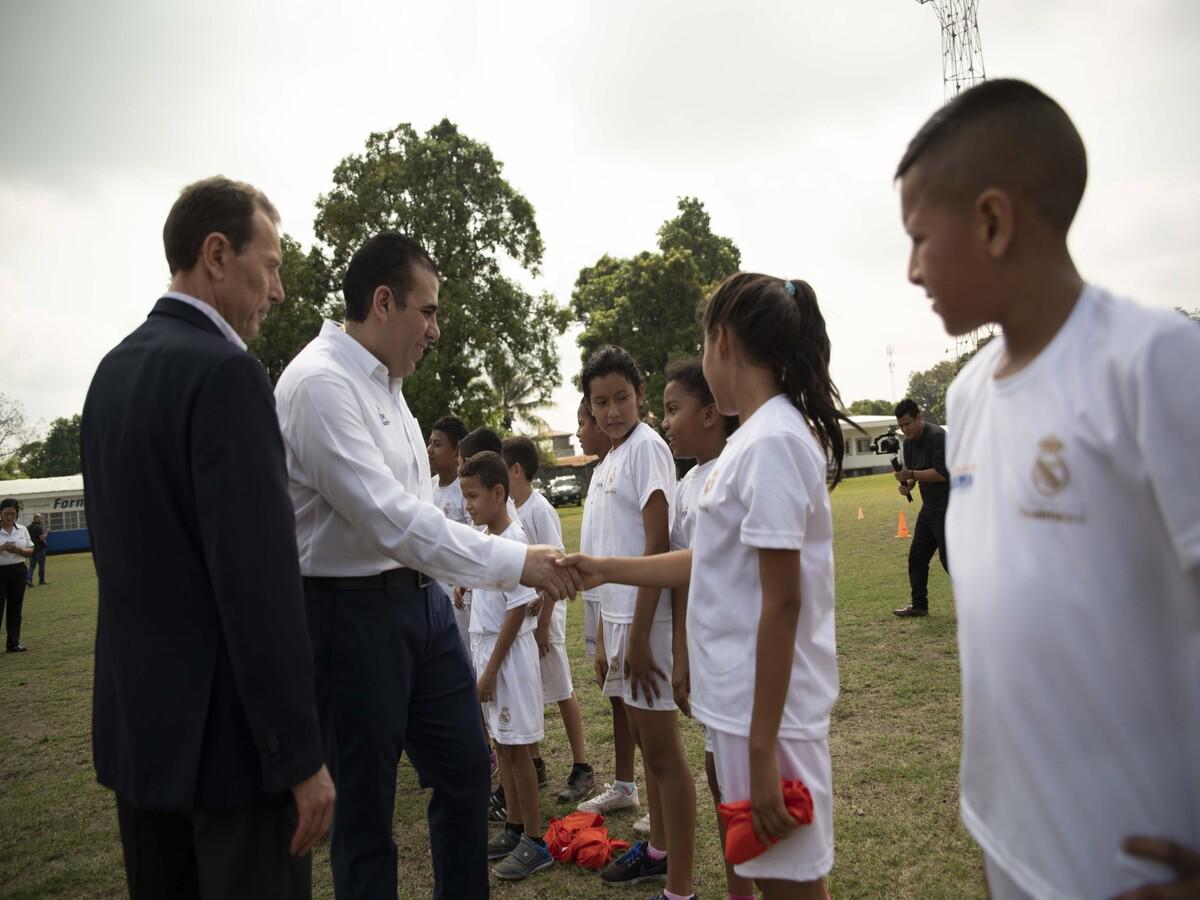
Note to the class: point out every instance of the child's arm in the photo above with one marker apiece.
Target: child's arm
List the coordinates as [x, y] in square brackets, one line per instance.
[780, 574]
[640, 666]
[666, 570]
[681, 683]
[508, 633]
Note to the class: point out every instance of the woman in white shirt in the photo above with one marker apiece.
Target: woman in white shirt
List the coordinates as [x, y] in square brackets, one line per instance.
[15, 547]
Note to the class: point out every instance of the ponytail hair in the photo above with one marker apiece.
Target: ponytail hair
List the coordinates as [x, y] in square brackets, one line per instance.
[780, 325]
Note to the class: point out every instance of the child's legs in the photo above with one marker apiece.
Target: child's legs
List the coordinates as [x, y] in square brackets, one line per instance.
[773, 889]
[521, 790]
[734, 882]
[665, 761]
[622, 742]
[573, 722]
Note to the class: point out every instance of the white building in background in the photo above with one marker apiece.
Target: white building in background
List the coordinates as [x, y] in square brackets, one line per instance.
[60, 501]
[860, 459]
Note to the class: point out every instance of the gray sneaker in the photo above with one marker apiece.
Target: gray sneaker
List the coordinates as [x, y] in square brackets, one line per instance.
[503, 843]
[581, 783]
[528, 857]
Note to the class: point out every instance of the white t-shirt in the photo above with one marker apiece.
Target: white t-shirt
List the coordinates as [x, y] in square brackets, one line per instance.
[632, 473]
[687, 493]
[449, 500]
[490, 608]
[766, 491]
[542, 526]
[586, 542]
[1077, 578]
[19, 536]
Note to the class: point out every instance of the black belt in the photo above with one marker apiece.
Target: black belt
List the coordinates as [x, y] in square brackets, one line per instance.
[393, 578]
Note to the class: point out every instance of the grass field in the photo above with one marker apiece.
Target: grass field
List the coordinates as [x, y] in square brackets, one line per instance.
[895, 742]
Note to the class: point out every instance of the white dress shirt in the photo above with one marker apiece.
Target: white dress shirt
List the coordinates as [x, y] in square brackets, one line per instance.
[19, 536]
[211, 311]
[359, 476]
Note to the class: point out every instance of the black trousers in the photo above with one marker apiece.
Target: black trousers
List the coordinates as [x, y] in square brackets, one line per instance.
[235, 854]
[12, 598]
[392, 677]
[929, 535]
[37, 561]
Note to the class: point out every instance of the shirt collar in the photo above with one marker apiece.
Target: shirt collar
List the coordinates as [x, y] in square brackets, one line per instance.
[359, 356]
[209, 310]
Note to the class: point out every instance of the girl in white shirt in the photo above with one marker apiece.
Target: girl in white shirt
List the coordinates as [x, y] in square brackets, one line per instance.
[762, 656]
[633, 648]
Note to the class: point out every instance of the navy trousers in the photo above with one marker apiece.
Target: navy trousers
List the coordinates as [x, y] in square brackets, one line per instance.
[392, 677]
[929, 536]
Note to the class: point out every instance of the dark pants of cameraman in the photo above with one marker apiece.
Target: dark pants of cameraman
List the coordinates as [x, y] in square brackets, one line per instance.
[929, 535]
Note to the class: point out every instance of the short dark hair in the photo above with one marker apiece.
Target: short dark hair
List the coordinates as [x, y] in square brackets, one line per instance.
[689, 373]
[907, 407]
[607, 360]
[387, 258]
[585, 405]
[488, 467]
[521, 451]
[214, 205]
[479, 440]
[1007, 134]
[452, 427]
[10, 503]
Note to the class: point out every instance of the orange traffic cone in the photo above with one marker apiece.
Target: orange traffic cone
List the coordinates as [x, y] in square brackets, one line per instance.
[902, 527]
[860, 514]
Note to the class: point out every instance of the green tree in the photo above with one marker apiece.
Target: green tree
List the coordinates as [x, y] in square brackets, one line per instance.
[57, 454]
[448, 192]
[871, 408]
[650, 304]
[928, 388]
[307, 286]
[14, 433]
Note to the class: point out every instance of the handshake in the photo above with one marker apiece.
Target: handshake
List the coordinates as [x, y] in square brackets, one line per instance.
[558, 576]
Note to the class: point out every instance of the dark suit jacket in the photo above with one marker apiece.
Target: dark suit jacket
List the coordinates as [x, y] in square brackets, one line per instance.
[204, 681]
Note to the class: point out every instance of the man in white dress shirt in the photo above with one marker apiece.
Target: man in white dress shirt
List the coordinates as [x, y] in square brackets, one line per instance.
[391, 672]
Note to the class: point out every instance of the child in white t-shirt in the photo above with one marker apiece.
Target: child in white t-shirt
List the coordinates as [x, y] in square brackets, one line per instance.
[542, 526]
[510, 689]
[633, 649]
[1074, 517]
[760, 627]
[447, 496]
[694, 429]
[592, 442]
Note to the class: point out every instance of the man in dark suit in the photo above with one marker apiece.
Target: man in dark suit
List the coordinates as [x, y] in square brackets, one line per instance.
[204, 716]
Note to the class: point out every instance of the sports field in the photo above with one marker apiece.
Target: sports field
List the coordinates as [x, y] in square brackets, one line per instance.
[895, 741]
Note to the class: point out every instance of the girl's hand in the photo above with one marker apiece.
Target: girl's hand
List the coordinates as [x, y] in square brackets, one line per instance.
[486, 688]
[459, 593]
[541, 635]
[768, 813]
[588, 567]
[681, 683]
[1184, 861]
[640, 667]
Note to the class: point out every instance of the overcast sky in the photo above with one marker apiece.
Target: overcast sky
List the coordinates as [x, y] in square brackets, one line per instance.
[786, 118]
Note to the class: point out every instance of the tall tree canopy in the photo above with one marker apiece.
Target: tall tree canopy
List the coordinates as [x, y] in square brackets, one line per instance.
[447, 192]
[57, 454]
[928, 388]
[650, 304]
[871, 408]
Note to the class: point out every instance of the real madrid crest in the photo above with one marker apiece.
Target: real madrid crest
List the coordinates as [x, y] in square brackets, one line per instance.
[505, 715]
[1050, 472]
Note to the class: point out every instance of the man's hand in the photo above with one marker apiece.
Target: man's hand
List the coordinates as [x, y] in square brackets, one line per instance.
[314, 807]
[681, 681]
[905, 476]
[541, 634]
[905, 490]
[540, 572]
[589, 569]
[486, 688]
[640, 668]
[1185, 862]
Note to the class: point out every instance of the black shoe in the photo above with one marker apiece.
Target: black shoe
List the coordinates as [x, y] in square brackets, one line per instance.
[497, 810]
[911, 612]
[17, 648]
[634, 867]
[581, 784]
[539, 767]
[503, 844]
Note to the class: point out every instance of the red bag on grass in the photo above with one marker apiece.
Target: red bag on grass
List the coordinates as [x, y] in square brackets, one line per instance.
[562, 831]
[741, 843]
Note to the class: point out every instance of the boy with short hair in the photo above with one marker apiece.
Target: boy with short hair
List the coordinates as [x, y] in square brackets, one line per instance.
[542, 526]
[442, 450]
[510, 687]
[1074, 511]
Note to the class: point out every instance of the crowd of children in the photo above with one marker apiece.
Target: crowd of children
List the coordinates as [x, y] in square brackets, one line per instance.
[714, 594]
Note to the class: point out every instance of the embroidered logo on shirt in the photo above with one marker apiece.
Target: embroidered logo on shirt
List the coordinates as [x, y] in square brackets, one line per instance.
[962, 477]
[505, 715]
[1050, 472]
[710, 481]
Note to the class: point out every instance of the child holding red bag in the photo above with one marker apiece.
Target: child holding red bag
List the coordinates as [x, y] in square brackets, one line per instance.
[760, 628]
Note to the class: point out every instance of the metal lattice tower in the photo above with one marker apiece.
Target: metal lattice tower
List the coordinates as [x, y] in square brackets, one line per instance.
[962, 53]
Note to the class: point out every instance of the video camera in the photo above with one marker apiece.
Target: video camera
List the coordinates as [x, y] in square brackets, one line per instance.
[889, 442]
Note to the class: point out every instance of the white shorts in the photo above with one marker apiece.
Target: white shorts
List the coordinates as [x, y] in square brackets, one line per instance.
[515, 716]
[806, 854]
[591, 623]
[1000, 884]
[556, 674]
[616, 636]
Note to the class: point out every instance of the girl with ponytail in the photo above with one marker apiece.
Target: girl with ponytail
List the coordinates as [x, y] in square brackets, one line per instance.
[760, 630]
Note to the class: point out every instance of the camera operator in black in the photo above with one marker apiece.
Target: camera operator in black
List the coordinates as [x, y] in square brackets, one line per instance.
[924, 465]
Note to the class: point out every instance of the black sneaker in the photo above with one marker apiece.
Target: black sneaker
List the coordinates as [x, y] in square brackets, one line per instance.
[634, 867]
[581, 784]
[497, 810]
[911, 612]
[503, 844]
[539, 767]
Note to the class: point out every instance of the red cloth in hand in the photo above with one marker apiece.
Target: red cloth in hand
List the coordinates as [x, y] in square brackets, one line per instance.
[741, 843]
[562, 832]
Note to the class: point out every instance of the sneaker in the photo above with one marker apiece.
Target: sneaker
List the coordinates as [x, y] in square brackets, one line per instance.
[503, 844]
[497, 809]
[609, 800]
[17, 648]
[526, 858]
[539, 766]
[910, 612]
[581, 783]
[642, 825]
[634, 867]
